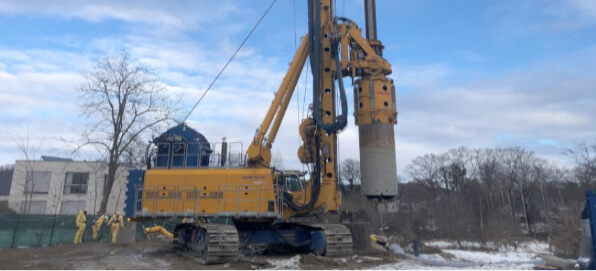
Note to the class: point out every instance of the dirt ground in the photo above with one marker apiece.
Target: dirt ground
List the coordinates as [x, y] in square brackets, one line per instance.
[159, 255]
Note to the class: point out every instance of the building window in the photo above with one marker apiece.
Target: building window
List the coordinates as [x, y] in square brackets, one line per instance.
[34, 207]
[4, 209]
[38, 182]
[72, 207]
[76, 183]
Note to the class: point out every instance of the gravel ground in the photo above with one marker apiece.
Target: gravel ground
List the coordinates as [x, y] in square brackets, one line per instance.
[159, 255]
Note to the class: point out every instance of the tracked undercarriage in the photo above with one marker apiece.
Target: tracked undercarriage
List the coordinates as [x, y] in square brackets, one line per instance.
[220, 243]
[338, 240]
[207, 243]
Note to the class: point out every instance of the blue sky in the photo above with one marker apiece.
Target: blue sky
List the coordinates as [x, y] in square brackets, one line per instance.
[472, 73]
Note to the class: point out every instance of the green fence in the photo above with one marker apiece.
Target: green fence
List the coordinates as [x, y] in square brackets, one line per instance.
[18, 230]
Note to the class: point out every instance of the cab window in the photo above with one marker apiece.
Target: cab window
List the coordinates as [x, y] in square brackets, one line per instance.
[290, 183]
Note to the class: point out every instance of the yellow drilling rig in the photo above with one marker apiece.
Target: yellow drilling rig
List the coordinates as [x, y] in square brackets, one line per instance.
[189, 177]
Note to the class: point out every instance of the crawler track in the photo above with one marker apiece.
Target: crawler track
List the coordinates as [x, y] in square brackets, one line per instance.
[338, 239]
[208, 243]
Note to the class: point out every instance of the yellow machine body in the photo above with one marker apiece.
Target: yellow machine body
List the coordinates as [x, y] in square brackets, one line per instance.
[210, 192]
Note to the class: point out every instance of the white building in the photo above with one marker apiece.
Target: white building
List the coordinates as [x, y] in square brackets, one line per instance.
[62, 186]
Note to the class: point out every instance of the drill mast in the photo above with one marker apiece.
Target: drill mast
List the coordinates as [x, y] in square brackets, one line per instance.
[336, 49]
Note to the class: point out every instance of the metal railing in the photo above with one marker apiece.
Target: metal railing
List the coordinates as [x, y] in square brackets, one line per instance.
[234, 158]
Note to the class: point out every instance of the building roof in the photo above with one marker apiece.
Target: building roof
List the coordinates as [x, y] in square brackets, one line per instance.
[55, 159]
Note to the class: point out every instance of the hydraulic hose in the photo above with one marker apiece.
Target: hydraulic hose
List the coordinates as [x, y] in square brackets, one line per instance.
[315, 186]
[314, 34]
[342, 119]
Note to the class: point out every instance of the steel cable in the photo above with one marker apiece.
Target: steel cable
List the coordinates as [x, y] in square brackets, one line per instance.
[230, 60]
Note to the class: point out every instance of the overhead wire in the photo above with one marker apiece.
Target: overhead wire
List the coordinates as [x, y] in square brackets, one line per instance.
[305, 111]
[230, 60]
[296, 88]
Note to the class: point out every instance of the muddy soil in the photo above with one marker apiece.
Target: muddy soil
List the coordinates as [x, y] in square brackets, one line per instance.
[159, 255]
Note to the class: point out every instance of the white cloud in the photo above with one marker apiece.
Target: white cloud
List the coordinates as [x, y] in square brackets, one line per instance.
[585, 7]
[193, 14]
[557, 119]
[38, 86]
[420, 76]
[553, 99]
[515, 18]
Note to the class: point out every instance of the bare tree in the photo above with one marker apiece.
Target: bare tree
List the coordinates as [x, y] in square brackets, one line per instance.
[28, 152]
[350, 172]
[425, 170]
[584, 156]
[134, 156]
[498, 194]
[125, 101]
[58, 188]
[98, 182]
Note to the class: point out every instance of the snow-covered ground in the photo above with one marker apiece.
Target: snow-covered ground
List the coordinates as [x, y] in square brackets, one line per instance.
[473, 256]
[291, 263]
[524, 252]
[495, 257]
[410, 264]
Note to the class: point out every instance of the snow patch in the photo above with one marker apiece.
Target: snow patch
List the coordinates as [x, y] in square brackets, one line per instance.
[433, 257]
[413, 265]
[530, 246]
[291, 263]
[498, 257]
[489, 257]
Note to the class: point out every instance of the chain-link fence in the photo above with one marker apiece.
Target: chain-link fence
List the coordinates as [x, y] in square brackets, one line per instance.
[17, 230]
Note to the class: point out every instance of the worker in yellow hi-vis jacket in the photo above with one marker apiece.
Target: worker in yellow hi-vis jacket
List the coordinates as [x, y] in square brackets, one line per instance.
[117, 222]
[97, 225]
[81, 222]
